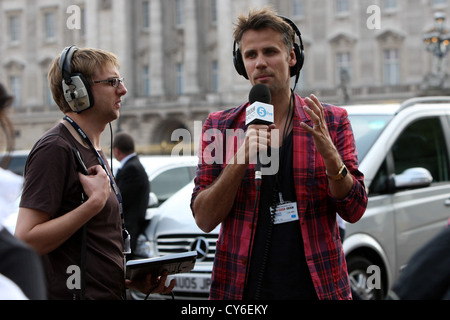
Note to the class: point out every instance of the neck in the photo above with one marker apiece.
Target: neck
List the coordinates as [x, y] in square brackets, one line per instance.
[91, 128]
[281, 103]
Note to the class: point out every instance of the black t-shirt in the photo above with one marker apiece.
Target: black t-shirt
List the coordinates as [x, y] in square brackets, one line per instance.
[286, 274]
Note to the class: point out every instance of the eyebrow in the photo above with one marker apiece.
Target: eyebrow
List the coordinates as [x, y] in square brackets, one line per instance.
[263, 49]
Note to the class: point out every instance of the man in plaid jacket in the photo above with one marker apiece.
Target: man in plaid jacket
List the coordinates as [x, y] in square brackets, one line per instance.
[318, 176]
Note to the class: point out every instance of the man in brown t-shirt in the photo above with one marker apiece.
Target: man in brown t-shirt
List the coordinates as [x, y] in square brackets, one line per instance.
[58, 200]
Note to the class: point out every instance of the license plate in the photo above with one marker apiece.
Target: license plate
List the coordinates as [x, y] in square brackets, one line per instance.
[192, 283]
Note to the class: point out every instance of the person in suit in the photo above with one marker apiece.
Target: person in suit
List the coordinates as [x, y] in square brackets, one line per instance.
[134, 186]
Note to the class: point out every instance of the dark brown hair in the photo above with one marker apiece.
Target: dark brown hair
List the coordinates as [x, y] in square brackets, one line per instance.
[124, 142]
[259, 19]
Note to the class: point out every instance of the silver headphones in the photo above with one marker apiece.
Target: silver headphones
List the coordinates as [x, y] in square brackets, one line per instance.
[77, 90]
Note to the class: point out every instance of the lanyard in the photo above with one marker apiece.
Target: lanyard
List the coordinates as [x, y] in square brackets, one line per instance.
[283, 150]
[126, 235]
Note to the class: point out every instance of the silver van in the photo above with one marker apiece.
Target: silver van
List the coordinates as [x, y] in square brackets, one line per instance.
[404, 155]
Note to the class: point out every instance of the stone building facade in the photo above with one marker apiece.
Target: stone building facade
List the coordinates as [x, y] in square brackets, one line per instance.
[176, 56]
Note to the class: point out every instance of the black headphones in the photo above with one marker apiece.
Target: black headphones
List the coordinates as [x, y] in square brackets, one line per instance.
[77, 90]
[298, 49]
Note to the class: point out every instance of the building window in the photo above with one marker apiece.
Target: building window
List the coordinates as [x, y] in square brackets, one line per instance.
[145, 90]
[438, 2]
[343, 67]
[342, 7]
[391, 67]
[14, 28]
[390, 4]
[179, 13]
[180, 78]
[16, 90]
[49, 26]
[213, 11]
[297, 8]
[146, 15]
[215, 74]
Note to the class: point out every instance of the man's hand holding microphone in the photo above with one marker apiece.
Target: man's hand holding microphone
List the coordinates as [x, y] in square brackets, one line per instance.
[259, 119]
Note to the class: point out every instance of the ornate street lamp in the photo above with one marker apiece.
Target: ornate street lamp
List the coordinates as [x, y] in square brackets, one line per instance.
[437, 41]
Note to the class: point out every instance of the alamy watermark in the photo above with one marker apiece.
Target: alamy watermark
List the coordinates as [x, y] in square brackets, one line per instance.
[218, 147]
[374, 279]
[73, 281]
[374, 20]
[73, 22]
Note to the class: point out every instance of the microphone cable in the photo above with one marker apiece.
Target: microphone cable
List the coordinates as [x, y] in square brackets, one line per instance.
[152, 289]
[267, 246]
[253, 230]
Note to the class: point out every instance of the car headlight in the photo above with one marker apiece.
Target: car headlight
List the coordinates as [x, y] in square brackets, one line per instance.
[145, 247]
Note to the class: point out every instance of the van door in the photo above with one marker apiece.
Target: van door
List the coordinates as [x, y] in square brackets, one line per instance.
[421, 213]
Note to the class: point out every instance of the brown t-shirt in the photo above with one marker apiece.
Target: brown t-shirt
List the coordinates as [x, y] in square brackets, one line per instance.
[52, 185]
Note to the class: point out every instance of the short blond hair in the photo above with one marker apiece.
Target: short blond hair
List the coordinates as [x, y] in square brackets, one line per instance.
[86, 61]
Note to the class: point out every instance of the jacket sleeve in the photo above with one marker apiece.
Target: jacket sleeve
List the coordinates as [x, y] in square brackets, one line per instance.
[352, 207]
[208, 168]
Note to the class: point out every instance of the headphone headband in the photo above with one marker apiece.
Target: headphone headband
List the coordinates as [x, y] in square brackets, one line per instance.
[295, 28]
[64, 63]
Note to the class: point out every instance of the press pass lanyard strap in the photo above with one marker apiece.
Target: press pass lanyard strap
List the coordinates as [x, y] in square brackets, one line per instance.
[126, 235]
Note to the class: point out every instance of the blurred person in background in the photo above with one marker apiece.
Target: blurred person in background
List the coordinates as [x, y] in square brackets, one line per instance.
[134, 186]
[21, 272]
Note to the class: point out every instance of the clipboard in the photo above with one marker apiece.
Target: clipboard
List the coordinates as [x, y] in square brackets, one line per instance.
[172, 263]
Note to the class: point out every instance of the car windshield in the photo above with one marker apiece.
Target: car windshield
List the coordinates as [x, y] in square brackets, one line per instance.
[366, 129]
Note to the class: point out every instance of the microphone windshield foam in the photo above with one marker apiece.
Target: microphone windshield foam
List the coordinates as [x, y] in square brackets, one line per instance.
[260, 93]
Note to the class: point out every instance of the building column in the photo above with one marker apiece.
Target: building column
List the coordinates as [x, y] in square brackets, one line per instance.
[191, 48]
[156, 49]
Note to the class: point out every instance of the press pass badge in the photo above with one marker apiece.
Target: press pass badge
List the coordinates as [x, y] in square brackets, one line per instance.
[285, 211]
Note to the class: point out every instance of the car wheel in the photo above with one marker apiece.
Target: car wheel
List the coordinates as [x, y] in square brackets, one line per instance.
[357, 270]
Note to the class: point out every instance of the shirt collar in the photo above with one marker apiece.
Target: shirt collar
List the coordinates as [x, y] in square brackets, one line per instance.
[124, 160]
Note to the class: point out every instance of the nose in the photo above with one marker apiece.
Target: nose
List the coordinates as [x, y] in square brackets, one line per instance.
[121, 89]
[261, 62]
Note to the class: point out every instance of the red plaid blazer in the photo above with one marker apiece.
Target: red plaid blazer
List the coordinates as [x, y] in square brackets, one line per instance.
[317, 209]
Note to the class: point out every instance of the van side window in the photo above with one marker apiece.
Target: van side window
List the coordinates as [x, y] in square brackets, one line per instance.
[422, 144]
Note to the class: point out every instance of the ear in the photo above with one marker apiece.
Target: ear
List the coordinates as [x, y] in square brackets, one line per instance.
[292, 59]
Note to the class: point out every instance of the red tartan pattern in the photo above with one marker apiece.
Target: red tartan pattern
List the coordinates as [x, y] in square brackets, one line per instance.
[317, 209]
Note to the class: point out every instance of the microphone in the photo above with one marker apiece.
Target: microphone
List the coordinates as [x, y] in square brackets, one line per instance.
[260, 111]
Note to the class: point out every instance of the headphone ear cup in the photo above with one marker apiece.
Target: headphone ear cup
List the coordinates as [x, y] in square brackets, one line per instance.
[87, 86]
[239, 64]
[299, 54]
[78, 94]
[77, 90]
